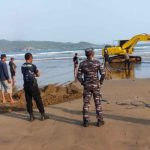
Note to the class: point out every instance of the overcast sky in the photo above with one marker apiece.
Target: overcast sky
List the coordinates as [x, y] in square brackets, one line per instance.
[96, 21]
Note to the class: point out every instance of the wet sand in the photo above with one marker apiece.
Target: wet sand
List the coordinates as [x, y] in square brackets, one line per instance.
[127, 116]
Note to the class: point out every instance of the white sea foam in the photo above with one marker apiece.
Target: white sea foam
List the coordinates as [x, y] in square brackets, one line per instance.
[143, 51]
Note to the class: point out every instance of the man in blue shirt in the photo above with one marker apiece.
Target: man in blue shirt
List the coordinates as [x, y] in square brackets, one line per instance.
[30, 72]
[5, 81]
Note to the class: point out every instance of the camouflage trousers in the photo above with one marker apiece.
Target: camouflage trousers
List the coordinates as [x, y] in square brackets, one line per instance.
[92, 90]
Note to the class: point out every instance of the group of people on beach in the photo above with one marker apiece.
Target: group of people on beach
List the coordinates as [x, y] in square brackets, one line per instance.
[90, 73]
[31, 89]
[6, 82]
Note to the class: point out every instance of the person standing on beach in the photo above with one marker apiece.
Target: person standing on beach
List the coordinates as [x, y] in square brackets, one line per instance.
[106, 58]
[75, 62]
[5, 81]
[88, 75]
[106, 64]
[30, 72]
[127, 60]
[13, 67]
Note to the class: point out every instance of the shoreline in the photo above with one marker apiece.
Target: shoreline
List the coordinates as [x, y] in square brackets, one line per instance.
[123, 90]
[52, 72]
[67, 82]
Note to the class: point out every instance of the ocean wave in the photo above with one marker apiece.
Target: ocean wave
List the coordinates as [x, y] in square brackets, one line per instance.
[142, 47]
[62, 52]
[58, 55]
[15, 55]
[50, 53]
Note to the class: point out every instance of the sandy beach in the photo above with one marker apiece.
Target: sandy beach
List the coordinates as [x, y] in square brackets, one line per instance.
[127, 116]
[48, 49]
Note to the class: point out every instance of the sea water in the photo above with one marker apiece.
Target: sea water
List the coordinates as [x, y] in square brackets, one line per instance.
[56, 66]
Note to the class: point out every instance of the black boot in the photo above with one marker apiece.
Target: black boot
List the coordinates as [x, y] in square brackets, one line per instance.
[85, 123]
[100, 122]
[44, 117]
[31, 118]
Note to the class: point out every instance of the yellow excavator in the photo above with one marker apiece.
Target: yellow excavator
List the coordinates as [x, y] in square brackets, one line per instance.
[117, 53]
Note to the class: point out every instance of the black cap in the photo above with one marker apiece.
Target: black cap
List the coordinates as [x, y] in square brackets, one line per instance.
[89, 51]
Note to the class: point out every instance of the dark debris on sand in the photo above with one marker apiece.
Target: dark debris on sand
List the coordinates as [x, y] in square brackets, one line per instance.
[51, 94]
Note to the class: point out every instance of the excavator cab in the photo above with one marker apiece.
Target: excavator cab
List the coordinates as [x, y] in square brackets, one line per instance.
[119, 42]
[122, 42]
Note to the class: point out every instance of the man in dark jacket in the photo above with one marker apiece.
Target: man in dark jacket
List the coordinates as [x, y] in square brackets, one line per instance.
[75, 62]
[88, 76]
[13, 67]
[30, 72]
[5, 81]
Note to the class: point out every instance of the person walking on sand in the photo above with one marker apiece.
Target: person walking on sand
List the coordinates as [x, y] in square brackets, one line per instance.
[30, 72]
[88, 75]
[5, 81]
[106, 58]
[106, 64]
[75, 62]
[13, 67]
[127, 60]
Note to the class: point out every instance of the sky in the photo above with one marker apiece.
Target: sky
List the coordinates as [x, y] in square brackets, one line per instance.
[95, 21]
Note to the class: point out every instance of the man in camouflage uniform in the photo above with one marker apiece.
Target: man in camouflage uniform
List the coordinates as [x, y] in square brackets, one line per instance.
[88, 75]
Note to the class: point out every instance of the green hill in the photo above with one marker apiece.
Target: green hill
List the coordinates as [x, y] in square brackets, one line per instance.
[34, 45]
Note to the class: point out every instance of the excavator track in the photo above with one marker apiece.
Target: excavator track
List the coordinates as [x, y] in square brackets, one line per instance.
[120, 58]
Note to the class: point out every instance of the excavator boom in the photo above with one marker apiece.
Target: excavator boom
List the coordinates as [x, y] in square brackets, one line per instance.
[133, 41]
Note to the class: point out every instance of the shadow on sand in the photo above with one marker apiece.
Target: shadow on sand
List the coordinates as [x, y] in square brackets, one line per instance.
[108, 116]
[24, 116]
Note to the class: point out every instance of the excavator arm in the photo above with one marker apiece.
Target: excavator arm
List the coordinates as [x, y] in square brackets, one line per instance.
[133, 41]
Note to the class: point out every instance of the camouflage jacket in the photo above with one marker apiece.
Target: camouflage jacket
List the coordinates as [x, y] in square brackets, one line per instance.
[89, 72]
